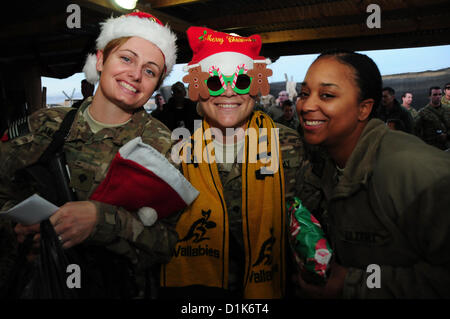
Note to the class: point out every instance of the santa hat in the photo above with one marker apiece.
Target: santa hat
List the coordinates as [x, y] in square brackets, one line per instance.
[213, 49]
[139, 176]
[135, 24]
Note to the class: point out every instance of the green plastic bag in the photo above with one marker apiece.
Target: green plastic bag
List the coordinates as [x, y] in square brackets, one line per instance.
[311, 250]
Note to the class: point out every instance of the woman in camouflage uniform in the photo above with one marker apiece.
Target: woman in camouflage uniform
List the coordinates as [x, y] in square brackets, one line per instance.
[135, 53]
[382, 195]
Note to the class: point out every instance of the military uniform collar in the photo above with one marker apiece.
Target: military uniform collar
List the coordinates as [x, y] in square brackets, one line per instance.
[86, 103]
[360, 165]
[433, 107]
[119, 135]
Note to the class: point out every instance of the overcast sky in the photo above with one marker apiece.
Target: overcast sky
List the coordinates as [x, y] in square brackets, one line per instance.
[388, 61]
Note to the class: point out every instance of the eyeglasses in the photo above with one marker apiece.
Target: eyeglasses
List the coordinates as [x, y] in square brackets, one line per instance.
[217, 83]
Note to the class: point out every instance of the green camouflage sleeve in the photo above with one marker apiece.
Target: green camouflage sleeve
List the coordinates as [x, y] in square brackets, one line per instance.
[17, 153]
[123, 232]
[293, 157]
[158, 136]
[25, 150]
[298, 158]
[308, 180]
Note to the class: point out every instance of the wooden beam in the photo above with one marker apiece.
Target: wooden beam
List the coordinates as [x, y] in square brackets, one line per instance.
[169, 3]
[382, 42]
[104, 6]
[355, 30]
[176, 24]
[319, 11]
[55, 48]
[40, 25]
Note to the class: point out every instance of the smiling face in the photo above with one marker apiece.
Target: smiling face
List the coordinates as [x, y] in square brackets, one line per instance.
[228, 109]
[328, 106]
[130, 73]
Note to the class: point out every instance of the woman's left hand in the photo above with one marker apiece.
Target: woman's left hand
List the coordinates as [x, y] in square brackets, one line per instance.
[333, 287]
[74, 222]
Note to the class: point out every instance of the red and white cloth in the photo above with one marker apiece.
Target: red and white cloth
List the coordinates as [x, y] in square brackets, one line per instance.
[223, 51]
[142, 179]
[135, 24]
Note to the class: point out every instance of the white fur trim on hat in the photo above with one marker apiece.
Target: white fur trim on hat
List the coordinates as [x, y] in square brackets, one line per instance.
[90, 69]
[133, 26]
[226, 62]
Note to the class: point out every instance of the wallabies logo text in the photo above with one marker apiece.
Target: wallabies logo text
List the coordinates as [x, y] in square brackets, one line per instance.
[265, 258]
[197, 233]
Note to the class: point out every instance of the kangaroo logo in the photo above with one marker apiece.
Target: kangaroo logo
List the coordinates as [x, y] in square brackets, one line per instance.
[199, 227]
[266, 251]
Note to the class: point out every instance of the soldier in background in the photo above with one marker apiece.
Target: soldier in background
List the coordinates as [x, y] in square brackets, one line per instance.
[130, 64]
[159, 113]
[407, 99]
[275, 111]
[433, 122]
[180, 111]
[87, 90]
[391, 109]
[289, 117]
[267, 101]
[445, 101]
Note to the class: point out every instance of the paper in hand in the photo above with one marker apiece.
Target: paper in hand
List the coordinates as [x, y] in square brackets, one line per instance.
[31, 211]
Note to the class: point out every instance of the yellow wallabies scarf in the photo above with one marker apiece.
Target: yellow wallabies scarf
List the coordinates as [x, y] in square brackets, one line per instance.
[200, 256]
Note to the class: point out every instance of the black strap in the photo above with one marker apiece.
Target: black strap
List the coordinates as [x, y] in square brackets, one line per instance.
[59, 137]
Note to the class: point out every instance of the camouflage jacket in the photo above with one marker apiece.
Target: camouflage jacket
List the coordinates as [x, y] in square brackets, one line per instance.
[412, 111]
[397, 112]
[431, 123]
[275, 111]
[292, 149]
[88, 156]
[293, 123]
[445, 102]
[385, 213]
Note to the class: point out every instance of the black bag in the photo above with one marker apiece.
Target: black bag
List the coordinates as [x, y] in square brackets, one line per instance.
[49, 275]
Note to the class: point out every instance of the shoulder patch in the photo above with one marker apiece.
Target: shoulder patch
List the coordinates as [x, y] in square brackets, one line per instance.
[19, 128]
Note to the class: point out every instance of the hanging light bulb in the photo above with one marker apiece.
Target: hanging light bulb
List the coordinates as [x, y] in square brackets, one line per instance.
[126, 4]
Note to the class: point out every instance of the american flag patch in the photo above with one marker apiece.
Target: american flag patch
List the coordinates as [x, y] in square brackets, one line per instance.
[18, 128]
